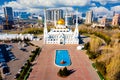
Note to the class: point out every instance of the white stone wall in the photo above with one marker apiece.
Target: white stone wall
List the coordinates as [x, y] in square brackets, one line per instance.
[16, 36]
[67, 40]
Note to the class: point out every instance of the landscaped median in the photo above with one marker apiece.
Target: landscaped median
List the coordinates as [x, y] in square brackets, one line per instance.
[93, 52]
[100, 75]
[27, 68]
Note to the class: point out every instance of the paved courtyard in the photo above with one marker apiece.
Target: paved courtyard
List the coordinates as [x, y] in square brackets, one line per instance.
[45, 69]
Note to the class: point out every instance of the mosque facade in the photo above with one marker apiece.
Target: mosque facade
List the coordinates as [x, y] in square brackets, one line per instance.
[61, 34]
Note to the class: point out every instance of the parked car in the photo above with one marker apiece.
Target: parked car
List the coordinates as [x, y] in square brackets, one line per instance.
[3, 64]
[6, 70]
[16, 76]
[23, 49]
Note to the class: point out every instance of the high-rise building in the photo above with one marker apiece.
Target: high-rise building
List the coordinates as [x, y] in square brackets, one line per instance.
[51, 14]
[1, 19]
[89, 17]
[116, 20]
[8, 12]
[103, 21]
[8, 22]
[69, 20]
[21, 15]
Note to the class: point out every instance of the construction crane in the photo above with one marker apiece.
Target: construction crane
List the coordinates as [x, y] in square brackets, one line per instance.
[6, 17]
[6, 22]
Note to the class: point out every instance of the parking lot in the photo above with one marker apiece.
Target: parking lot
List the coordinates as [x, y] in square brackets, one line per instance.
[14, 56]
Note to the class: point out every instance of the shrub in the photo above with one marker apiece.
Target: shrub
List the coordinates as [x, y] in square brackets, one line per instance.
[64, 72]
[31, 44]
[117, 76]
[91, 55]
[24, 71]
[60, 72]
[32, 58]
[101, 67]
[102, 35]
[113, 68]
[33, 31]
[35, 53]
[86, 46]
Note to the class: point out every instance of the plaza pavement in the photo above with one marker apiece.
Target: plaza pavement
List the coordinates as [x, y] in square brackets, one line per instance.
[45, 69]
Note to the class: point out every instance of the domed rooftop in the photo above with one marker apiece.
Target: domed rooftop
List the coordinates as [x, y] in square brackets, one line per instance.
[61, 22]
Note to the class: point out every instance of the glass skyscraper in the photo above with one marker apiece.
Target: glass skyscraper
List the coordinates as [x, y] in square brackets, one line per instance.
[21, 15]
[8, 12]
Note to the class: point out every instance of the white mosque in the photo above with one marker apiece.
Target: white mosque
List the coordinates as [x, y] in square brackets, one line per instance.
[61, 34]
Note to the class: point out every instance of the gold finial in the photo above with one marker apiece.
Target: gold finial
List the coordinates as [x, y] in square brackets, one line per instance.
[61, 22]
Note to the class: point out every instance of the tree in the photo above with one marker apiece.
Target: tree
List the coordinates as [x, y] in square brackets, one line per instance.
[60, 72]
[86, 46]
[65, 71]
[113, 69]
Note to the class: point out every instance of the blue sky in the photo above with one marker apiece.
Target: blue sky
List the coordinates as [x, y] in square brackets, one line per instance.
[36, 6]
[3, 1]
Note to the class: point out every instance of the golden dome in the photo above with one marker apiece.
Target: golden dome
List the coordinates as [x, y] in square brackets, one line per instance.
[61, 22]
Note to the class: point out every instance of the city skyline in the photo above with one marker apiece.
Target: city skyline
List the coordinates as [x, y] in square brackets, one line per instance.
[98, 6]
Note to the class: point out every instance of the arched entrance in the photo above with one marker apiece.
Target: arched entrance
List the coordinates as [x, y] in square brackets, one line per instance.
[61, 39]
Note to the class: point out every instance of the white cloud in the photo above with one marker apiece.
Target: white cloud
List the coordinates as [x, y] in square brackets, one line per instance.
[73, 2]
[63, 8]
[15, 5]
[35, 10]
[46, 3]
[1, 10]
[116, 9]
[37, 5]
[100, 10]
[103, 2]
[93, 4]
[18, 6]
